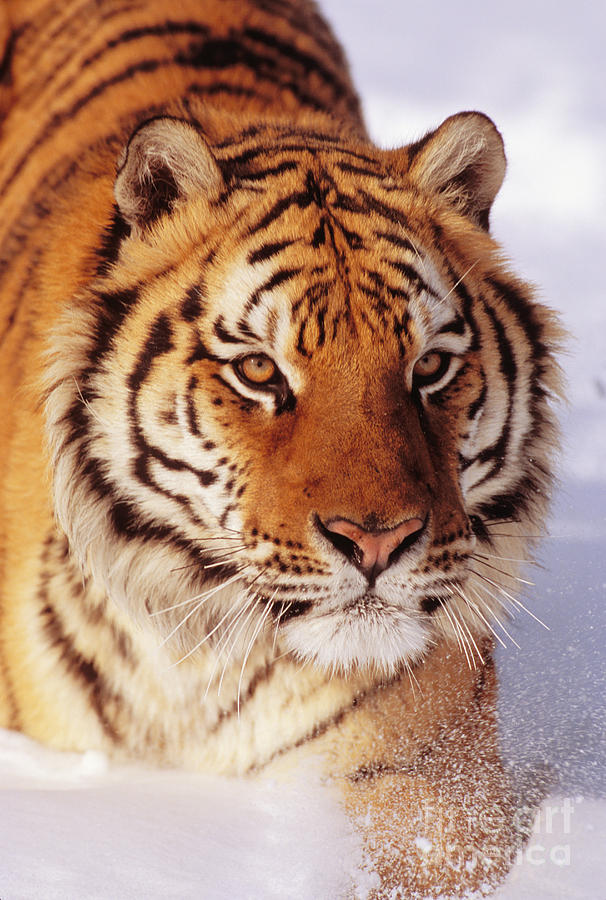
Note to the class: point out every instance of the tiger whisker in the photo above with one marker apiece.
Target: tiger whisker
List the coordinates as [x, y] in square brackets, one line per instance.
[530, 613]
[502, 558]
[233, 531]
[476, 610]
[224, 558]
[459, 635]
[204, 596]
[194, 565]
[236, 628]
[412, 678]
[238, 612]
[206, 637]
[455, 286]
[255, 634]
[251, 605]
[282, 612]
[281, 656]
[88, 405]
[465, 626]
[417, 254]
[501, 571]
[495, 617]
[506, 520]
[515, 601]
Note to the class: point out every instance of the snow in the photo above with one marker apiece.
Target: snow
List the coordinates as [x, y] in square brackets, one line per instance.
[75, 827]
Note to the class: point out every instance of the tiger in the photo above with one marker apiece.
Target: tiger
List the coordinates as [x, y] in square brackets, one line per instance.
[278, 422]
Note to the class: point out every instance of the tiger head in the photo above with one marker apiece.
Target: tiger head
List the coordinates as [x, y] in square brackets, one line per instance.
[304, 401]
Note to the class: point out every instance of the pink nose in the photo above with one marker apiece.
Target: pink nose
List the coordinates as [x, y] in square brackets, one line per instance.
[373, 549]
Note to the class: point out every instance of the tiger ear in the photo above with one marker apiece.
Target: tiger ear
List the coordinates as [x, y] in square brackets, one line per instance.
[165, 161]
[463, 160]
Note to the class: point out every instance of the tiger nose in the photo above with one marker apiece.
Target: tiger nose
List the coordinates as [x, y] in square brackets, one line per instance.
[370, 551]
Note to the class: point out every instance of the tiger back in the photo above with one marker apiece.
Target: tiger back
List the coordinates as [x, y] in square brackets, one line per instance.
[276, 421]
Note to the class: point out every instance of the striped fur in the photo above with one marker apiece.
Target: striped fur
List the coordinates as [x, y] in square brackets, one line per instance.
[187, 190]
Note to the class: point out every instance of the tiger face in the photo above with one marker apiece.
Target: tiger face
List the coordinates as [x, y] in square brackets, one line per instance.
[295, 406]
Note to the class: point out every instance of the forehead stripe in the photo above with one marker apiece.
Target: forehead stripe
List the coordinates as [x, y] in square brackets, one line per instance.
[278, 278]
[266, 251]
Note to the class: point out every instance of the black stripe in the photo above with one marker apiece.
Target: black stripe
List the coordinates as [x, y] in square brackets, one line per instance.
[411, 274]
[158, 342]
[246, 330]
[283, 611]
[468, 306]
[497, 452]
[321, 330]
[166, 29]
[216, 54]
[352, 238]
[477, 404]
[224, 87]
[114, 306]
[352, 169]
[224, 335]
[200, 352]
[301, 349]
[50, 24]
[391, 213]
[191, 408]
[266, 251]
[59, 118]
[84, 670]
[397, 241]
[508, 368]
[128, 35]
[261, 676]
[371, 292]
[111, 241]
[7, 61]
[402, 331]
[148, 453]
[128, 521]
[512, 503]
[304, 19]
[457, 326]
[289, 53]
[525, 312]
[245, 402]
[300, 199]
[191, 308]
[278, 278]
[331, 722]
[307, 140]
[261, 174]
[28, 280]
[348, 204]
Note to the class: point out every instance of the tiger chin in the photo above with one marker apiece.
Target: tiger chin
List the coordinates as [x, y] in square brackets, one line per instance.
[277, 422]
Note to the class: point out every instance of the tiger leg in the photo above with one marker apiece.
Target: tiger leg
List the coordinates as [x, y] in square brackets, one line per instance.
[421, 778]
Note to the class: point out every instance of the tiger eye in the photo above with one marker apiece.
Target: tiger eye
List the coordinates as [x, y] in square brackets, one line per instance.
[258, 368]
[429, 365]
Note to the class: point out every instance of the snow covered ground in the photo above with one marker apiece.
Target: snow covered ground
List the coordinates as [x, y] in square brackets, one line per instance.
[73, 828]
